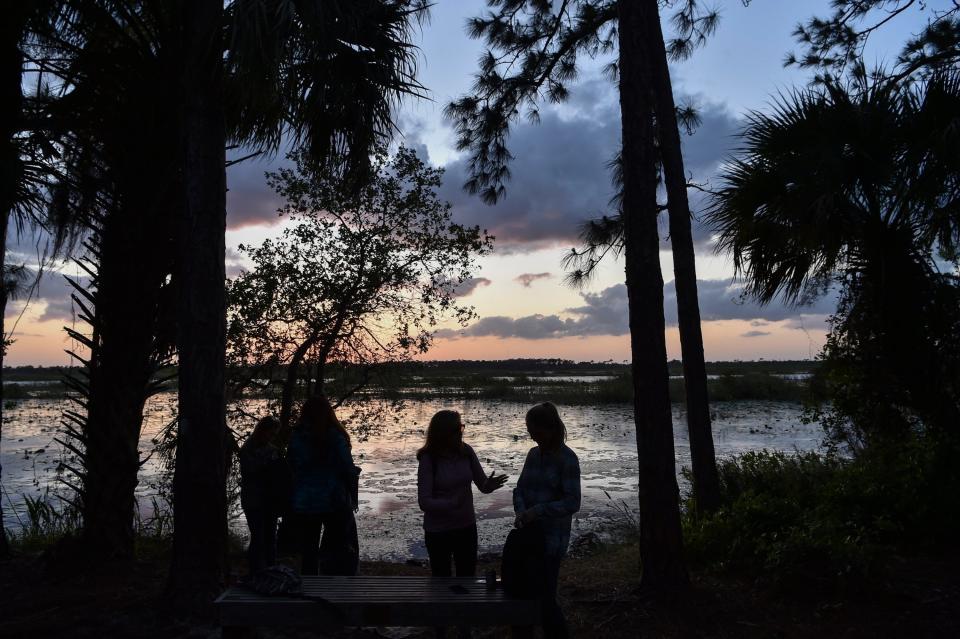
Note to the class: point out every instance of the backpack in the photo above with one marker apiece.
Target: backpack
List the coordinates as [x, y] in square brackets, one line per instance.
[524, 562]
[276, 580]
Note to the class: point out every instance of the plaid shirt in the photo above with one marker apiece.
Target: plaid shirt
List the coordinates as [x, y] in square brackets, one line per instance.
[549, 484]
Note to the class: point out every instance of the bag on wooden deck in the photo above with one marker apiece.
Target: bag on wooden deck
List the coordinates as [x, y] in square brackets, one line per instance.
[276, 580]
[523, 564]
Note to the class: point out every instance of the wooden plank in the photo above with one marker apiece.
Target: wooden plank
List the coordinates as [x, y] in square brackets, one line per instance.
[379, 600]
[307, 613]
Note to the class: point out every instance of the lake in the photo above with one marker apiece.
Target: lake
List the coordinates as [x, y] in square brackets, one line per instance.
[389, 519]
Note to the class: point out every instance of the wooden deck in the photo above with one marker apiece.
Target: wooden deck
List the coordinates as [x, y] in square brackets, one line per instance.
[379, 601]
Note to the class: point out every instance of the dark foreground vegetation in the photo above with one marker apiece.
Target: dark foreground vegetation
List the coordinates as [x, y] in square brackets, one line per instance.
[803, 545]
[908, 594]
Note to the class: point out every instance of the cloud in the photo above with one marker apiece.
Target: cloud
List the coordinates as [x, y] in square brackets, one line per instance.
[234, 262]
[250, 201]
[603, 313]
[469, 285]
[606, 313]
[53, 292]
[526, 279]
[560, 175]
[724, 299]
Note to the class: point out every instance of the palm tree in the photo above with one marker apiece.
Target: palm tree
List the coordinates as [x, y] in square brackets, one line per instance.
[112, 74]
[327, 77]
[857, 186]
[33, 169]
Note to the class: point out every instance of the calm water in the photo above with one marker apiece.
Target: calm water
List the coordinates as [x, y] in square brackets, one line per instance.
[389, 520]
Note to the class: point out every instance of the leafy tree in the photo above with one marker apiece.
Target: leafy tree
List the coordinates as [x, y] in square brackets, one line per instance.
[361, 278]
[858, 186]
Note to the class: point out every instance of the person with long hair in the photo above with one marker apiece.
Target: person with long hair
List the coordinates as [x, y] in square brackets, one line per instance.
[447, 468]
[547, 495]
[324, 493]
[262, 470]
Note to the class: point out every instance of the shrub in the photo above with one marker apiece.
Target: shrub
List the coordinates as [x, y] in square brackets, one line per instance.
[820, 517]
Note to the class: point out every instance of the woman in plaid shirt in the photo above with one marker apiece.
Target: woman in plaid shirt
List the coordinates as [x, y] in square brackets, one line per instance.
[548, 493]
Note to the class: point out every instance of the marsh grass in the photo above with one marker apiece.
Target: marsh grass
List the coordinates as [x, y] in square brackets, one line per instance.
[43, 519]
[617, 389]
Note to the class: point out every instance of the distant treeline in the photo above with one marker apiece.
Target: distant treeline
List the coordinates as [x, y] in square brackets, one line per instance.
[564, 366]
[525, 366]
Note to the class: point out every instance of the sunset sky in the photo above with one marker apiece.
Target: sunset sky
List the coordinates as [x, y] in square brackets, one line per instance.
[559, 179]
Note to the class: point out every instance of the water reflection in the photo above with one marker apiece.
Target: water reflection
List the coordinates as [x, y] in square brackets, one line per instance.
[389, 519]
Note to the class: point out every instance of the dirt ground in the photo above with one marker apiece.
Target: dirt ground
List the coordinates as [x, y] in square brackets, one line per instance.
[915, 598]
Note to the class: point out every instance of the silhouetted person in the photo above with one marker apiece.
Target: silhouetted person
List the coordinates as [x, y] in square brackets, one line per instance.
[547, 494]
[447, 468]
[324, 478]
[262, 475]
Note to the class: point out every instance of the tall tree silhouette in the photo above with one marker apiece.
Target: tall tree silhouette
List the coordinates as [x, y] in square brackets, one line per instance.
[661, 545]
[706, 482]
[199, 481]
[326, 77]
[537, 47]
[11, 98]
[534, 53]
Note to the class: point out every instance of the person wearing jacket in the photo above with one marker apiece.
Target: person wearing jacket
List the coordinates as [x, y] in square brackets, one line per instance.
[323, 500]
[448, 467]
[548, 494]
[262, 473]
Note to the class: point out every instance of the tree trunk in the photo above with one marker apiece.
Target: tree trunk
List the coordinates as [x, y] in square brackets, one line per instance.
[289, 386]
[199, 483]
[132, 268]
[661, 543]
[706, 483]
